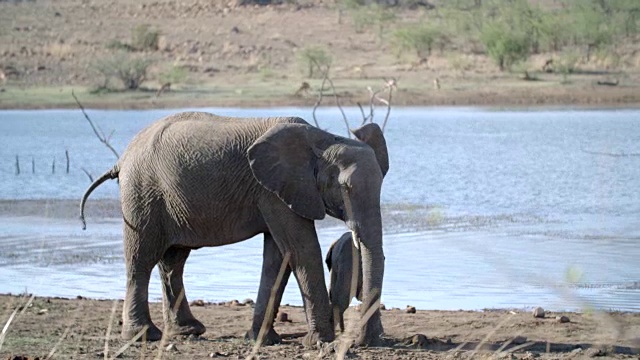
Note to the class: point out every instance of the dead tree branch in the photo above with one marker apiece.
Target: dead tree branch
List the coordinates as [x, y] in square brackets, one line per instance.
[391, 85]
[327, 79]
[96, 130]
[320, 97]
[87, 173]
[375, 96]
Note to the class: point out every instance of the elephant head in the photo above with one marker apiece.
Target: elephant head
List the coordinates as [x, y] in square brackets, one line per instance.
[343, 262]
[316, 173]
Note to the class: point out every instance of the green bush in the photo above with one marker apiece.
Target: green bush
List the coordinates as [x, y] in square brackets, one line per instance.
[144, 38]
[567, 64]
[505, 46]
[418, 38]
[119, 45]
[173, 75]
[130, 70]
[311, 58]
[373, 16]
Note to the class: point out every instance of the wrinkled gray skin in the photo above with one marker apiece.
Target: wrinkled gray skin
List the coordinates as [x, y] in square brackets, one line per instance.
[341, 258]
[195, 179]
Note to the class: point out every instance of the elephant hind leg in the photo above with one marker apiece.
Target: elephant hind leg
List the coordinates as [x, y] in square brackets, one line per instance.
[140, 258]
[178, 319]
[271, 261]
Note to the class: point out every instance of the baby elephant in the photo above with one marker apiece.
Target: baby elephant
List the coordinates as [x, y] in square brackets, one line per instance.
[340, 260]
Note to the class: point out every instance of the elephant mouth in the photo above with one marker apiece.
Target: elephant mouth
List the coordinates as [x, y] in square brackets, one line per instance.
[337, 213]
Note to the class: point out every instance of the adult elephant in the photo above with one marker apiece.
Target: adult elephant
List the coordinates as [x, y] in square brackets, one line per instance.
[195, 179]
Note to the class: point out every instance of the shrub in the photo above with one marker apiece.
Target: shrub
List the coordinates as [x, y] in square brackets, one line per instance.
[590, 26]
[504, 45]
[144, 37]
[130, 70]
[417, 38]
[310, 58]
[372, 16]
[566, 64]
[119, 45]
[173, 75]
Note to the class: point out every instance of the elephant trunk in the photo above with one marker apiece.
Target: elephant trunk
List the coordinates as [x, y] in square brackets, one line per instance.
[366, 223]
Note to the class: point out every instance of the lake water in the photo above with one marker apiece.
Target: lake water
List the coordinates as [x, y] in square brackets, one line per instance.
[482, 209]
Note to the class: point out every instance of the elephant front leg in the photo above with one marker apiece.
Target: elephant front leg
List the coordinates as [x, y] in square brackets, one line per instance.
[297, 236]
[263, 316]
[178, 319]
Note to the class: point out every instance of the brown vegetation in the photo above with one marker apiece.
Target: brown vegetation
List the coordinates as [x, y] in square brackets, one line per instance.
[250, 56]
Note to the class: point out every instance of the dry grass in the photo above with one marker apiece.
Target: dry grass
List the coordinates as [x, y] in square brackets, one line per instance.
[59, 51]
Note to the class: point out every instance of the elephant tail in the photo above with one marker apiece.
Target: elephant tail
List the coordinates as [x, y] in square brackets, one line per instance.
[111, 174]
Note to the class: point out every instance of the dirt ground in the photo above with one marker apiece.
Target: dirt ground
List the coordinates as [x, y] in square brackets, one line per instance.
[249, 56]
[77, 329]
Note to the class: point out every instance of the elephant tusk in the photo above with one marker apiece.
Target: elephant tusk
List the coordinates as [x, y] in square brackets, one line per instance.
[347, 206]
[356, 239]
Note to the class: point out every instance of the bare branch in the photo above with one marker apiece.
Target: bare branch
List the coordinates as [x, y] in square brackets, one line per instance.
[99, 134]
[344, 116]
[325, 79]
[111, 134]
[320, 97]
[87, 173]
[364, 117]
[391, 85]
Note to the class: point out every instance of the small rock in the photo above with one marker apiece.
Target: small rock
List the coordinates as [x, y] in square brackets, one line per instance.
[163, 43]
[382, 307]
[410, 309]
[42, 311]
[198, 302]
[100, 354]
[417, 340]
[248, 301]
[193, 337]
[218, 354]
[171, 347]
[519, 340]
[282, 317]
[562, 319]
[538, 312]
[595, 352]
[235, 30]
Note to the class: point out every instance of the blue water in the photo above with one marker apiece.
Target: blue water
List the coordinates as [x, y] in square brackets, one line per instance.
[508, 208]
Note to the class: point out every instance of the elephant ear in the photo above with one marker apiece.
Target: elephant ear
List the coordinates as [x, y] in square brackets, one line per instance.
[371, 134]
[283, 161]
[328, 259]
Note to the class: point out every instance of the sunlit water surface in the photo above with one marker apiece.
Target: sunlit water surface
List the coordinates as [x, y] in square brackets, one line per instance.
[482, 209]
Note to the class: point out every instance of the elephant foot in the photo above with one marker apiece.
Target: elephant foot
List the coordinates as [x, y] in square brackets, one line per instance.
[152, 332]
[313, 338]
[189, 327]
[371, 334]
[271, 338]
